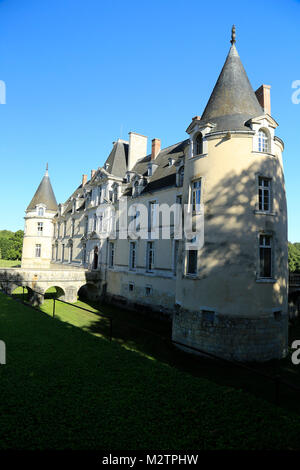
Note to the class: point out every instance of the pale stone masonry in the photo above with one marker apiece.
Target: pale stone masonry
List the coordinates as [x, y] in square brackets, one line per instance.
[229, 297]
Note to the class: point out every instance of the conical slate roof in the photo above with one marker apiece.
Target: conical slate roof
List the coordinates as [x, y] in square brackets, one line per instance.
[233, 100]
[44, 195]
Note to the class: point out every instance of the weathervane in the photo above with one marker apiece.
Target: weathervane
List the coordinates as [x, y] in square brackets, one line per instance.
[232, 35]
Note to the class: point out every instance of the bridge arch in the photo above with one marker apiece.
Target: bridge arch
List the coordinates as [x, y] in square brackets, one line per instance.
[88, 291]
[54, 291]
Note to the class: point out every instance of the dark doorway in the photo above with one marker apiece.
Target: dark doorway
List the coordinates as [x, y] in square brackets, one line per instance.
[95, 261]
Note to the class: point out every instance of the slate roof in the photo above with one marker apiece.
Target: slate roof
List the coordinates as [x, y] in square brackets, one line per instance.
[164, 175]
[118, 158]
[44, 195]
[233, 101]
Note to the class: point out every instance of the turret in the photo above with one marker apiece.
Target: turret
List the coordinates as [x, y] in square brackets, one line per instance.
[38, 231]
[234, 288]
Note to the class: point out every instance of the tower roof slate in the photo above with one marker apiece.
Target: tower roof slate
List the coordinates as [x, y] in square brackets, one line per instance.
[44, 195]
[233, 101]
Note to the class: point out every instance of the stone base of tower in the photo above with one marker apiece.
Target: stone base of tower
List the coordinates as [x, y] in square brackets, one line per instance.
[231, 337]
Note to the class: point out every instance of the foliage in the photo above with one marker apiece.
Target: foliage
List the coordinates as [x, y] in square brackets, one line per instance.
[11, 244]
[294, 257]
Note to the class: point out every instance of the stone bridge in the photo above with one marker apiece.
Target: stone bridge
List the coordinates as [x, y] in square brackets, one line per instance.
[68, 279]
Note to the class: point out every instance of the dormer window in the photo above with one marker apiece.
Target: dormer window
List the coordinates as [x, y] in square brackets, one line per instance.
[41, 212]
[149, 169]
[136, 189]
[171, 161]
[198, 144]
[263, 141]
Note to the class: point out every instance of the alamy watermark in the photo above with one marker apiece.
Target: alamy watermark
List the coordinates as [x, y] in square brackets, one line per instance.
[152, 221]
[2, 92]
[2, 352]
[296, 93]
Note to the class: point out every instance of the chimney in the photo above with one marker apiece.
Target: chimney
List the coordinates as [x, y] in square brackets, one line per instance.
[263, 96]
[137, 148]
[155, 148]
[84, 180]
[93, 173]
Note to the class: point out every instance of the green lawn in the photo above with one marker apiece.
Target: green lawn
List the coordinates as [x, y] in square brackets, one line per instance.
[7, 263]
[65, 388]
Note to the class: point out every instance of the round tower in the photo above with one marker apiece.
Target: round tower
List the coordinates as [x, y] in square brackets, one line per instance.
[232, 297]
[38, 230]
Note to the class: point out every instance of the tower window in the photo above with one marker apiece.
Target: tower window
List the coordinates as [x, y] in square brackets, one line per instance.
[192, 261]
[198, 145]
[196, 195]
[264, 194]
[38, 251]
[40, 228]
[263, 141]
[265, 256]
[40, 211]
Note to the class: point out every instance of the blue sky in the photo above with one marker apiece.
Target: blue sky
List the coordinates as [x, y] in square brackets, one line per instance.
[81, 73]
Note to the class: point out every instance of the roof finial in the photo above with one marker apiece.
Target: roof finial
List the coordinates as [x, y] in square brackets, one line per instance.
[232, 35]
[46, 174]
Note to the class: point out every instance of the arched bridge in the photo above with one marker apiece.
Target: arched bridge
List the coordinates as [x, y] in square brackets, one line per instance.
[69, 279]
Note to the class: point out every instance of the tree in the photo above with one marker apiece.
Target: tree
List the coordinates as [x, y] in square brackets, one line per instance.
[294, 257]
[11, 244]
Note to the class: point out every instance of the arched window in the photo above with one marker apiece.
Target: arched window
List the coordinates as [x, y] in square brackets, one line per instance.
[198, 144]
[181, 176]
[263, 141]
[41, 212]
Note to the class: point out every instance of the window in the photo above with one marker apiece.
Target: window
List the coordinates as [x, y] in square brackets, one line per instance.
[181, 176]
[131, 287]
[149, 169]
[86, 225]
[72, 227]
[65, 229]
[38, 251]
[148, 291]
[151, 215]
[192, 261]
[263, 141]
[41, 212]
[95, 223]
[58, 230]
[70, 253]
[53, 253]
[136, 189]
[132, 255]
[111, 254]
[150, 256]
[198, 145]
[40, 228]
[84, 254]
[196, 195]
[265, 256]
[264, 194]
[101, 223]
[56, 253]
[62, 252]
[136, 221]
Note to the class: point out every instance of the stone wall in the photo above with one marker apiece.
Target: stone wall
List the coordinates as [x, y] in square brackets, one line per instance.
[232, 337]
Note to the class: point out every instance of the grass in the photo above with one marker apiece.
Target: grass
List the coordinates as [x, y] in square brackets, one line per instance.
[8, 263]
[64, 388]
